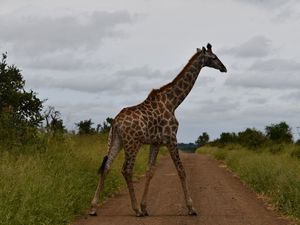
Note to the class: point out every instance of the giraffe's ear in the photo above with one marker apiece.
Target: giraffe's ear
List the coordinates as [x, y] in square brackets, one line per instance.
[209, 47]
[198, 50]
[203, 49]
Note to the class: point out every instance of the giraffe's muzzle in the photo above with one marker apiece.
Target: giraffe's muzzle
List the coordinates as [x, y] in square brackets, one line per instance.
[223, 69]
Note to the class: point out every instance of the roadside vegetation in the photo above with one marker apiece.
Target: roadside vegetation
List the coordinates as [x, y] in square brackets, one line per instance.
[269, 162]
[52, 185]
[48, 175]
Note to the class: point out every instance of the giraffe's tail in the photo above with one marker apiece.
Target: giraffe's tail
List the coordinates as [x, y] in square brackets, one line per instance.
[101, 168]
[114, 147]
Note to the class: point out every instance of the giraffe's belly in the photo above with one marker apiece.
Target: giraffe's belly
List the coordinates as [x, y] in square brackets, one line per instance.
[160, 135]
[152, 130]
[153, 136]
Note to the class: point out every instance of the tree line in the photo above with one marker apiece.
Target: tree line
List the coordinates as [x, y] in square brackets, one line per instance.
[274, 136]
[23, 117]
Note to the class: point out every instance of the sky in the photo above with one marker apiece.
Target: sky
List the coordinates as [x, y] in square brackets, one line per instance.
[92, 58]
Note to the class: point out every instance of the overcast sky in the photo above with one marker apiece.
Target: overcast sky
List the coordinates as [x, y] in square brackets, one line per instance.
[92, 58]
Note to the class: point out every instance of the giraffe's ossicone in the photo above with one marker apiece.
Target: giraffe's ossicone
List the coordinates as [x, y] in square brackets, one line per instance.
[153, 122]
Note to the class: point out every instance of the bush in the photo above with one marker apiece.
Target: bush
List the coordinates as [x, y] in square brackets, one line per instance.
[20, 110]
[252, 138]
[276, 148]
[220, 154]
[15, 133]
[85, 127]
[296, 152]
[280, 133]
[225, 139]
[202, 140]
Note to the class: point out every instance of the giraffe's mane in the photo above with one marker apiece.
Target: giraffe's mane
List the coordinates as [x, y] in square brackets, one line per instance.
[154, 92]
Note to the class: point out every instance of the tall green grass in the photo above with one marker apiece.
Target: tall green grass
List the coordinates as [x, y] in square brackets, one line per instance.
[276, 176]
[52, 185]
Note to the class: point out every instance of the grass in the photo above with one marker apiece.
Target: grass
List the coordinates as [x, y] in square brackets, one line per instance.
[276, 176]
[53, 185]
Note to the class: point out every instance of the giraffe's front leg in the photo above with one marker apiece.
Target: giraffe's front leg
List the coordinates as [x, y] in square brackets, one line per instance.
[149, 174]
[175, 157]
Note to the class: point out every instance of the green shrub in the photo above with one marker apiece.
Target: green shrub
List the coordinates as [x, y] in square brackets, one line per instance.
[296, 152]
[220, 154]
[20, 110]
[280, 133]
[252, 139]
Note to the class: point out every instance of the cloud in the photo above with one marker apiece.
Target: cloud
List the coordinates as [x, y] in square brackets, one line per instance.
[271, 73]
[258, 46]
[281, 10]
[292, 96]
[83, 83]
[257, 101]
[35, 35]
[267, 3]
[286, 14]
[275, 65]
[219, 106]
[139, 80]
[61, 61]
[272, 112]
[276, 80]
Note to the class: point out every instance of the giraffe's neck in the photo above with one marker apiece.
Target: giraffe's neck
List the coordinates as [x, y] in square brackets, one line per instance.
[175, 92]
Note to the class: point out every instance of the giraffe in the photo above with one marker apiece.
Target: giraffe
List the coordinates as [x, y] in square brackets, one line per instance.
[153, 122]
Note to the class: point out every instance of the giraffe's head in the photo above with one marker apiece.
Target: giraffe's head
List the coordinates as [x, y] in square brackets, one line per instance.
[208, 58]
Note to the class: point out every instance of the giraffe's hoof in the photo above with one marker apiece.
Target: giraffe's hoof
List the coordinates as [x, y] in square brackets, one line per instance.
[192, 212]
[93, 211]
[144, 210]
[139, 214]
[145, 213]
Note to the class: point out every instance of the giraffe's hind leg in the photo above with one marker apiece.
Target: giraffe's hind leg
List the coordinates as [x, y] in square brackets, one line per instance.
[149, 174]
[103, 171]
[127, 171]
[181, 173]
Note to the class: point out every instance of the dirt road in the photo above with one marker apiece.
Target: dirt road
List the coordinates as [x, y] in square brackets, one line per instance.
[218, 196]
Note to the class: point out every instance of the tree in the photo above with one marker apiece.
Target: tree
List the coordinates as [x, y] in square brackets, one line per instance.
[202, 140]
[225, 138]
[251, 138]
[105, 126]
[187, 147]
[54, 123]
[20, 110]
[85, 127]
[281, 133]
[14, 99]
[298, 131]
